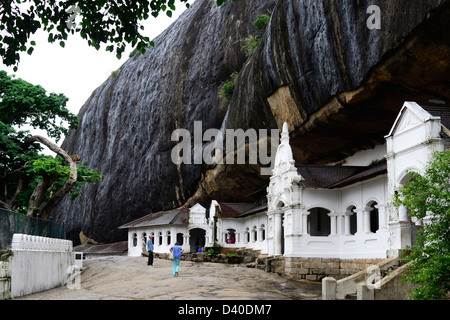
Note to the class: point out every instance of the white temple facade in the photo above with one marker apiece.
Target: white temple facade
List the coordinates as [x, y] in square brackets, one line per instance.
[330, 211]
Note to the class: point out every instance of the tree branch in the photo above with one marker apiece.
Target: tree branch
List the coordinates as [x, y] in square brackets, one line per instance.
[45, 212]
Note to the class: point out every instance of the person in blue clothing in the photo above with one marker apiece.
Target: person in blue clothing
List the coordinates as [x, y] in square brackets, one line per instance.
[176, 250]
[150, 250]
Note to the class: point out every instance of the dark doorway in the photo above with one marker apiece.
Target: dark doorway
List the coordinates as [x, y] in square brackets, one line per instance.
[197, 239]
[180, 239]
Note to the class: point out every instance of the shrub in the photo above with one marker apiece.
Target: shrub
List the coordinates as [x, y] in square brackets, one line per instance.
[252, 42]
[428, 196]
[261, 22]
[227, 89]
[250, 45]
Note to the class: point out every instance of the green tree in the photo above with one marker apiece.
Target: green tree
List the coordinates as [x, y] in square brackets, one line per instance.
[427, 197]
[30, 181]
[113, 23]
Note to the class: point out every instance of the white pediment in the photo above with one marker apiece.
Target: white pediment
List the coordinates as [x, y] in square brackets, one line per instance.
[408, 120]
[197, 214]
[198, 208]
[411, 115]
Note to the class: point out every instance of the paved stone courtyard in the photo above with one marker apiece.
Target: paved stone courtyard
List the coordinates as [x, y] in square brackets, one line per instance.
[123, 277]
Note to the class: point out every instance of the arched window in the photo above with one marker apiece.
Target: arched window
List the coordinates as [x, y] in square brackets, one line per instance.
[247, 235]
[144, 241]
[263, 232]
[374, 217]
[168, 238]
[351, 228]
[153, 237]
[255, 233]
[319, 222]
[160, 238]
[134, 240]
[280, 205]
[230, 236]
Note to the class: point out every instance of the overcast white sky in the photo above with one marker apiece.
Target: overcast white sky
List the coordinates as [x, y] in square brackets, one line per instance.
[77, 70]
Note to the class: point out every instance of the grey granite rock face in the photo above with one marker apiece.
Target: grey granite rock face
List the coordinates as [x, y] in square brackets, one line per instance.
[126, 125]
[318, 67]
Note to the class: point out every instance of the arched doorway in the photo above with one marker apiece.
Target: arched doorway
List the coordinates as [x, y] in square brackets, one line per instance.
[196, 239]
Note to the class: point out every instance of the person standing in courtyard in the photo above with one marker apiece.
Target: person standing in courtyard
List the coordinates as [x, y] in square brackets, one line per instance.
[150, 250]
[176, 250]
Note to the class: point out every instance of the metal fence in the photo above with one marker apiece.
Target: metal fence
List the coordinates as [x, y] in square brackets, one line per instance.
[13, 222]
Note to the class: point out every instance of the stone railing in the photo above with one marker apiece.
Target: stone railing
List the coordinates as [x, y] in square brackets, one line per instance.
[29, 242]
[341, 289]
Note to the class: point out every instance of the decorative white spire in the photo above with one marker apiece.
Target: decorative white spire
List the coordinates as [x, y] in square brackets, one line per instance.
[285, 134]
[284, 158]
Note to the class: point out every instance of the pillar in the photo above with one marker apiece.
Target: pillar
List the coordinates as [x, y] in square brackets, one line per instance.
[366, 213]
[329, 286]
[333, 224]
[305, 222]
[277, 233]
[359, 220]
[403, 213]
[347, 222]
[383, 217]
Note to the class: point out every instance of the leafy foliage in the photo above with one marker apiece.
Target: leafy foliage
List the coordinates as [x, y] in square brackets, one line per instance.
[261, 22]
[227, 89]
[250, 45]
[114, 23]
[253, 41]
[22, 166]
[23, 103]
[428, 197]
[58, 171]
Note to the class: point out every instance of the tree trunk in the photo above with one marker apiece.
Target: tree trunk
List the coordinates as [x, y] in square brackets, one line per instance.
[36, 197]
[46, 211]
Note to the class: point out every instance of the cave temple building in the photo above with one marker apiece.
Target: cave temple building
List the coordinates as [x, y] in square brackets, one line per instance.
[341, 210]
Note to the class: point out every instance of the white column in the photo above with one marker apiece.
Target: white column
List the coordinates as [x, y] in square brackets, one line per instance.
[270, 234]
[277, 232]
[305, 222]
[359, 220]
[333, 224]
[382, 214]
[341, 224]
[367, 211]
[347, 222]
[403, 213]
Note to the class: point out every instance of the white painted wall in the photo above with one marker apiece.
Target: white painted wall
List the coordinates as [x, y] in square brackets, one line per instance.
[339, 245]
[243, 226]
[164, 247]
[411, 142]
[39, 263]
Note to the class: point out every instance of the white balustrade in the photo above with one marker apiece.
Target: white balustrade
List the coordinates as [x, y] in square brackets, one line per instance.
[29, 242]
